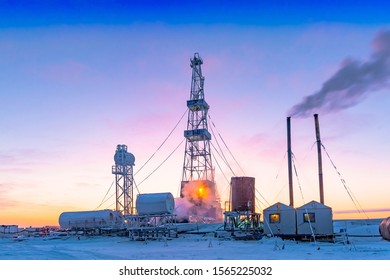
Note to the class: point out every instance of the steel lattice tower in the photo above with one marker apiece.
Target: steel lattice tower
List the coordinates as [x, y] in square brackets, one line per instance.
[123, 170]
[197, 157]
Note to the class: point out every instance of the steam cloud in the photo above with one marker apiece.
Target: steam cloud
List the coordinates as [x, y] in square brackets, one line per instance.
[190, 192]
[351, 83]
[196, 205]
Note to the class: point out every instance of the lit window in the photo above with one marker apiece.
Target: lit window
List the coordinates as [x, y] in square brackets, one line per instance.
[309, 217]
[274, 218]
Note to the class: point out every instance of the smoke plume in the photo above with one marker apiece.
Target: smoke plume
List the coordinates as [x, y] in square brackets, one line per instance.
[351, 83]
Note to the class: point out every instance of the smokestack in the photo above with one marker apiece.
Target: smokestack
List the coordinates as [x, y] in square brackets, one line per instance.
[289, 153]
[319, 158]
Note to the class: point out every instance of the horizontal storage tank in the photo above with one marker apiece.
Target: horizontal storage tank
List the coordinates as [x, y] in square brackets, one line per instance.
[91, 219]
[243, 194]
[155, 204]
[384, 229]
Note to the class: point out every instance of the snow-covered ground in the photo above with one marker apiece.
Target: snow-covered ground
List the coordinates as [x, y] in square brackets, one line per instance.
[363, 243]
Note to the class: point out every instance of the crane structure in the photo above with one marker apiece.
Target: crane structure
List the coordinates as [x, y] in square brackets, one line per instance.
[123, 171]
[198, 183]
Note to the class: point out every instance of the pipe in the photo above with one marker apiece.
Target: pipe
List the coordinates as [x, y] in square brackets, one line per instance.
[320, 177]
[289, 153]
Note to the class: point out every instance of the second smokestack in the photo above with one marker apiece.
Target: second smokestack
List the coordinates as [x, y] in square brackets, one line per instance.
[289, 154]
[320, 177]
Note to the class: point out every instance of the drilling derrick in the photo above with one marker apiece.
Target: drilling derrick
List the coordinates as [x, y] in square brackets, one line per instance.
[198, 170]
[197, 159]
[123, 170]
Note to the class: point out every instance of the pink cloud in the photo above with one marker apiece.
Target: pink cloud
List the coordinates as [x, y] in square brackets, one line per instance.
[6, 202]
[21, 160]
[264, 145]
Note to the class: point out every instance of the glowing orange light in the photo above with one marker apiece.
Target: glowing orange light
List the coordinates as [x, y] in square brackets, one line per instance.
[197, 192]
[201, 192]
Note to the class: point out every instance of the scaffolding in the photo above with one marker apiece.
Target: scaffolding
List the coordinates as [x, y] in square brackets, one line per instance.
[243, 224]
[144, 227]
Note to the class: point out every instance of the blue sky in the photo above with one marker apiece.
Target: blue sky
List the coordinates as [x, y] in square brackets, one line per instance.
[265, 13]
[79, 78]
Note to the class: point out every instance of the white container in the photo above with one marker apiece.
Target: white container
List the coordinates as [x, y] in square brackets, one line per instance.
[8, 229]
[91, 219]
[314, 217]
[155, 204]
[280, 220]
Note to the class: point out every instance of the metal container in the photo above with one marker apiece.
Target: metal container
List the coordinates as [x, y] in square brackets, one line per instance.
[280, 220]
[243, 194]
[155, 204]
[123, 157]
[314, 218]
[384, 229]
[8, 229]
[91, 219]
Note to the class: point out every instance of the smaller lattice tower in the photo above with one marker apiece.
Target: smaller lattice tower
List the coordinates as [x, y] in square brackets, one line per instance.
[123, 170]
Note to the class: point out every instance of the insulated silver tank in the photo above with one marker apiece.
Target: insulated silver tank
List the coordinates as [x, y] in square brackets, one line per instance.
[91, 219]
[155, 204]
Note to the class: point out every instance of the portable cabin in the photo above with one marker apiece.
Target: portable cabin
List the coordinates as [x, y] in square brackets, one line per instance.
[8, 230]
[314, 218]
[279, 220]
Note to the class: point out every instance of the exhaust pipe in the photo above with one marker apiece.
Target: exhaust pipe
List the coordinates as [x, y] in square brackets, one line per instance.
[289, 153]
[320, 177]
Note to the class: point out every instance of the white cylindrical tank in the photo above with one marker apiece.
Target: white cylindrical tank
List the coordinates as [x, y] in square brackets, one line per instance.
[384, 229]
[155, 204]
[91, 219]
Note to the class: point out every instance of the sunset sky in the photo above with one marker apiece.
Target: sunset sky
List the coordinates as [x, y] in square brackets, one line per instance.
[79, 77]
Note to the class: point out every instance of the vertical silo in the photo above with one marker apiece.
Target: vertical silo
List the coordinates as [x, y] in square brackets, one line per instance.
[243, 194]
